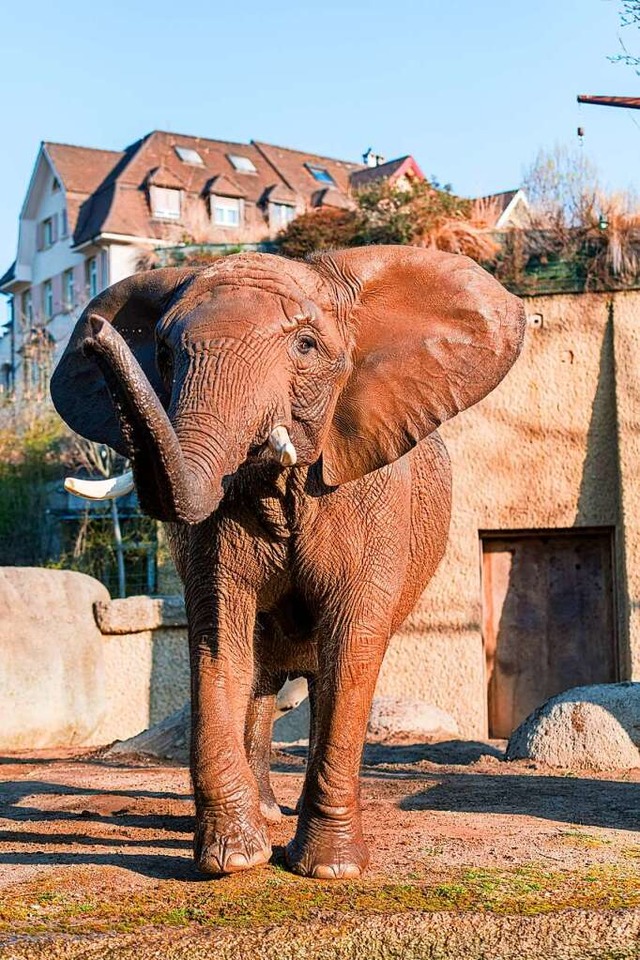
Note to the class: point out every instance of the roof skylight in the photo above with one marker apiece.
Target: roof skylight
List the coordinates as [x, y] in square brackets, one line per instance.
[242, 164]
[321, 174]
[188, 155]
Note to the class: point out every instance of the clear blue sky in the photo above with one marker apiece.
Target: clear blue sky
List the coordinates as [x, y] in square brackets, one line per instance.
[471, 89]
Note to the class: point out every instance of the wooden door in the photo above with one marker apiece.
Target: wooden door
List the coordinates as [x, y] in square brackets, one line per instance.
[548, 619]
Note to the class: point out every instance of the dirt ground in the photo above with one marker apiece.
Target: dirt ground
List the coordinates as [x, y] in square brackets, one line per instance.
[470, 857]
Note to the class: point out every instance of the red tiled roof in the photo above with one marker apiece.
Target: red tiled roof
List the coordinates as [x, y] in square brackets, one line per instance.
[82, 169]
[224, 186]
[293, 166]
[387, 171]
[329, 197]
[107, 191]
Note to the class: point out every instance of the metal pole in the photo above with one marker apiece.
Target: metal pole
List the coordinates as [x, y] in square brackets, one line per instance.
[117, 536]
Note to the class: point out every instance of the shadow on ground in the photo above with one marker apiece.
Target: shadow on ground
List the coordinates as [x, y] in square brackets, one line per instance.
[600, 803]
[148, 831]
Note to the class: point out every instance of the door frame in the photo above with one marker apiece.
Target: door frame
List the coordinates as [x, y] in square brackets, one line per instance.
[531, 533]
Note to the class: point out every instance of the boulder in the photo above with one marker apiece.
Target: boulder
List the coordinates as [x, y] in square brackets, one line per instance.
[399, 717]
[52, 684]
[170, 739]
[594, 728]
[391, 718]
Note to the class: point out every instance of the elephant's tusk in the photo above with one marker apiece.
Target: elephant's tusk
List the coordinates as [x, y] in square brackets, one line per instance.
[281, 445]
[101, 489]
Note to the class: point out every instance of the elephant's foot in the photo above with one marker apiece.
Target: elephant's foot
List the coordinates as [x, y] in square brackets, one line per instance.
[327, 849]
[223, 845]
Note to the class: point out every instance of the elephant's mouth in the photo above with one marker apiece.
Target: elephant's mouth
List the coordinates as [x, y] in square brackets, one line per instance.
[176, 479]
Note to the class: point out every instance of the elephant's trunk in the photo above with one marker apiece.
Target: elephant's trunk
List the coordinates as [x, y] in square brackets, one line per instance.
[171, 485]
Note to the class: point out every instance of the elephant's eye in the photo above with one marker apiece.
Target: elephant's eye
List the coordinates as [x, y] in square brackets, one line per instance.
[305, 343]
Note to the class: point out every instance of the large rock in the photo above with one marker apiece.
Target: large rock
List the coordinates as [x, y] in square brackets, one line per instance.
[391, 718]
[595, 727]
[52, 687]
[170, 739]
[398, 717]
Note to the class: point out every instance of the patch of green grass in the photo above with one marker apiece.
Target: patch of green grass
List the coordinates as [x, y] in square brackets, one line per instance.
[271, 896]
[578, 838]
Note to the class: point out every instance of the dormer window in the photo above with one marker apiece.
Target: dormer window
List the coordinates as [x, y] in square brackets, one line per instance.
[188, 155]
[281, 214]
[165, 202]
[241, 164]
[321, 174]
[226, 211]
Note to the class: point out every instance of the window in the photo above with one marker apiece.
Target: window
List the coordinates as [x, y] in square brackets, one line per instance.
[27, 307]
[187, 155]
[165, 203]
[92, 276]
[242, 164]
[281, 214]
[321, 174]
[226, 211]
[47, 299]
[104, 268]
[64, 224]
[6, 378]
[55, 186]
[69, 289]
[37, 361]
[47, 233]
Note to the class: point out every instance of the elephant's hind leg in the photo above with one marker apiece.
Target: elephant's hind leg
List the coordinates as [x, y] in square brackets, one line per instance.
[257, 740]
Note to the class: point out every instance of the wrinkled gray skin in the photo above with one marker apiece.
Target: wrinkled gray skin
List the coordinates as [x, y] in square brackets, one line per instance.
[305, 570]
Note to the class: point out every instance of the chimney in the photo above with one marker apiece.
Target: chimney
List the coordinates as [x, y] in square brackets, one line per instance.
[371, 159]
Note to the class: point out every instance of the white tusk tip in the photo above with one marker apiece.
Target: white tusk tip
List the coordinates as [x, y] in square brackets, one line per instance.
[100, 489]
[282, 447]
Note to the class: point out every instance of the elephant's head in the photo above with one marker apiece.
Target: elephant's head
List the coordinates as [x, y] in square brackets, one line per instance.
[358, 354]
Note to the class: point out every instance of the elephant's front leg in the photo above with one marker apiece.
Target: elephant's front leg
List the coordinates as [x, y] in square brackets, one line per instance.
[328, 843]
[230, 833]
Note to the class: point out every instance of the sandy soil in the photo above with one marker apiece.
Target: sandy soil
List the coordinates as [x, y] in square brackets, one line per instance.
[85, 843]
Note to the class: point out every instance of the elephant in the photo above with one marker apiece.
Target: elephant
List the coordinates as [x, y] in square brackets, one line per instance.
[281, 419]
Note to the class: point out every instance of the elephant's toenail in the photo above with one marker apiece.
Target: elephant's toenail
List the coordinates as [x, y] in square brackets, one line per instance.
[236, 861]
[324, 872]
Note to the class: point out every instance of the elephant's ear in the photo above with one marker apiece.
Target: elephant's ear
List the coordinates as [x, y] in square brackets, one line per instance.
[78, 387]
[433, 333]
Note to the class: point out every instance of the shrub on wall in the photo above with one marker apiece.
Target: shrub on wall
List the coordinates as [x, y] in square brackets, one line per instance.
[36, 451]
[418, 213]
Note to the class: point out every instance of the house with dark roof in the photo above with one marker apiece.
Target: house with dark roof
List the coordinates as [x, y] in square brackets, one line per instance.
[506, 210]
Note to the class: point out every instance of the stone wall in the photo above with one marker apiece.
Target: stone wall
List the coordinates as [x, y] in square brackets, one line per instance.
[146, 663]
[79, 668]
[556, 446]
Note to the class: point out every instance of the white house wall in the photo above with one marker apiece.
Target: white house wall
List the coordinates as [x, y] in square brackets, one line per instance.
[123, 258]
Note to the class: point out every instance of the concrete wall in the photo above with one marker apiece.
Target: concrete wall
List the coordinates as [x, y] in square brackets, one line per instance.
[79, 668]
[146, 664]
[557, 445]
